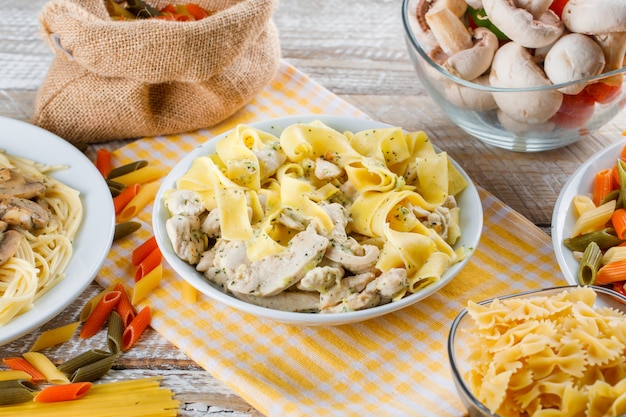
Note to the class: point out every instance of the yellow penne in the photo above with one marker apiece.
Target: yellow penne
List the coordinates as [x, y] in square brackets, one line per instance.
[41, 362]
[594, 219]
[582, 204]
[13, 375]
[54, 336]
[616, 253]
[141, 176]
[145, 285]
[140, 200]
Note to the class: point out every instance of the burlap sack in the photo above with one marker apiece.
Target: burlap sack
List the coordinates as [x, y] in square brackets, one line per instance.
[125, 79]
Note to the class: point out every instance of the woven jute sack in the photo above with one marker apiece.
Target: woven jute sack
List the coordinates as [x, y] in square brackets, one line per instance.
[126, 79]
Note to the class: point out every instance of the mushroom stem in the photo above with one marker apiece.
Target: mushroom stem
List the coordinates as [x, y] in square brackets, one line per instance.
[614, 47]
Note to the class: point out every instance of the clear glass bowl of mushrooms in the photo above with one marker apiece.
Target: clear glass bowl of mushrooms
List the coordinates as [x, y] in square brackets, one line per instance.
[526, 75]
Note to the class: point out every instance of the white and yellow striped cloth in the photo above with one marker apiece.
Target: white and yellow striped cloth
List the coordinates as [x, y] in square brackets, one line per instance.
[396, 365]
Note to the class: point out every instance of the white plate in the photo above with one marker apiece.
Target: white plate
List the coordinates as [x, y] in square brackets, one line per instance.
[471, 224]
[580, 183]
[95, 236]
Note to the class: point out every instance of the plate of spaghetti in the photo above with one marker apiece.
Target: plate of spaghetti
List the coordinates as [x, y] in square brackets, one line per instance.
[56, 226]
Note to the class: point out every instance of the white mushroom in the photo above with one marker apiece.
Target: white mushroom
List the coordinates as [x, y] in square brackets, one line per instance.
[534, 7]
[471, 63]
[521, 26]
[513, 67]
[614, 47]
[451, 33]
[595, 16]
[471, 98]
[573, 57]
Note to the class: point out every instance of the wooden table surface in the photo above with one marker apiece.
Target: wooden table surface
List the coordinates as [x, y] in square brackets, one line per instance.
[354, 48]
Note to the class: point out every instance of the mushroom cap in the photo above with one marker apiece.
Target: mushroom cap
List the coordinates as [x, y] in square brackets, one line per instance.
[573, 57]
[521, 26]
[514, 67]
[593, 17]
[470, 98]
[471, 63]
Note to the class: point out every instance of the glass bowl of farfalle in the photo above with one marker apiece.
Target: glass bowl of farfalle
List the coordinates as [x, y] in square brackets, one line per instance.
[552, 352]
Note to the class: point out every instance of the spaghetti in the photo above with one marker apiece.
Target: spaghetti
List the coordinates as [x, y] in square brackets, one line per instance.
[44, 251]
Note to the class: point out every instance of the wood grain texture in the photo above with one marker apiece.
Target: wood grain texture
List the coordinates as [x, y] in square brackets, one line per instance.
[356, 50]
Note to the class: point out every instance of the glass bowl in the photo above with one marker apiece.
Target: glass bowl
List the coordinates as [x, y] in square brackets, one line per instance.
[463, 327]
[509, 118]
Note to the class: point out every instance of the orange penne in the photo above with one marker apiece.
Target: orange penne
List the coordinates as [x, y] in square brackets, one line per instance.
[146, 194]
[99, 314]
[124, 308]
[103, 161]
[122, 199]
[21, 364]
[619, 222]
[602, 185]
[135, 328]
[149, 263]
[141, 176]
[612, 272]
[143, 250]
[93, 302]
[63, 392]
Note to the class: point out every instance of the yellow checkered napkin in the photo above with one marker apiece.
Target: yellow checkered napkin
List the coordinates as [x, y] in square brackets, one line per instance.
[395, 365]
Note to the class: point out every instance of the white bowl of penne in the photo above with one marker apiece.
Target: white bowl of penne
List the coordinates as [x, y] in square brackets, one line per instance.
[587, 210]
[317, 220]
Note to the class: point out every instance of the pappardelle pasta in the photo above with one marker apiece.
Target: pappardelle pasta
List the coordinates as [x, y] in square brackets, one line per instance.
[39, 217]
[317, 220]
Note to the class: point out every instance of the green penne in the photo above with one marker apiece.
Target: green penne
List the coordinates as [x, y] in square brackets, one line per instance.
[589, 264]
[605, 239]
[94, 370]
[613, 195]
[127, 168]
[84, 359]
[16, 391]
[621, 172]
[114, 333]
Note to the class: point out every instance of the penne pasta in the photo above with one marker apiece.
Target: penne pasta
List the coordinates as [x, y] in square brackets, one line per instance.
[143, 250]
[94, 370]
[103, 161]
[611, 272]
[100, 314]
[148, 264]
[55, 336]
[83, 359]
[41, 362]
[593, 220]
[135, 328]
[142, 175]
[147, 284]
[589, 264]
[602, 185]
[21, 364]
[114, 332]
[93, 301]
[124, 307]
[12, 375]
[15, 392]
[123, 198]
[65, 392]
[146, 194]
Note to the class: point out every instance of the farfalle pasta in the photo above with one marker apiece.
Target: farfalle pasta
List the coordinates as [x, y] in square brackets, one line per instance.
[547, 356]
[316, 219]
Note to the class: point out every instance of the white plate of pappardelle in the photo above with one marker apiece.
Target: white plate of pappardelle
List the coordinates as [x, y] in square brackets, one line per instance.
[94, 234]
[563, 216]
[471, 221]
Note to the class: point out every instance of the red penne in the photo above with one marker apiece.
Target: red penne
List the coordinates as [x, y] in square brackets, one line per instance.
[62, 392]
[100, 314]
[103, 161]
[618, 219]
[135, 328]
[151, 261]
[602, 185]
[143, 250]
[611, 272]
[20, 364]
[124, 308]
[122, 199]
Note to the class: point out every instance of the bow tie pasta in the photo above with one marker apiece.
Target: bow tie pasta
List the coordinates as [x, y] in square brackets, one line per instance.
[318, 220]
